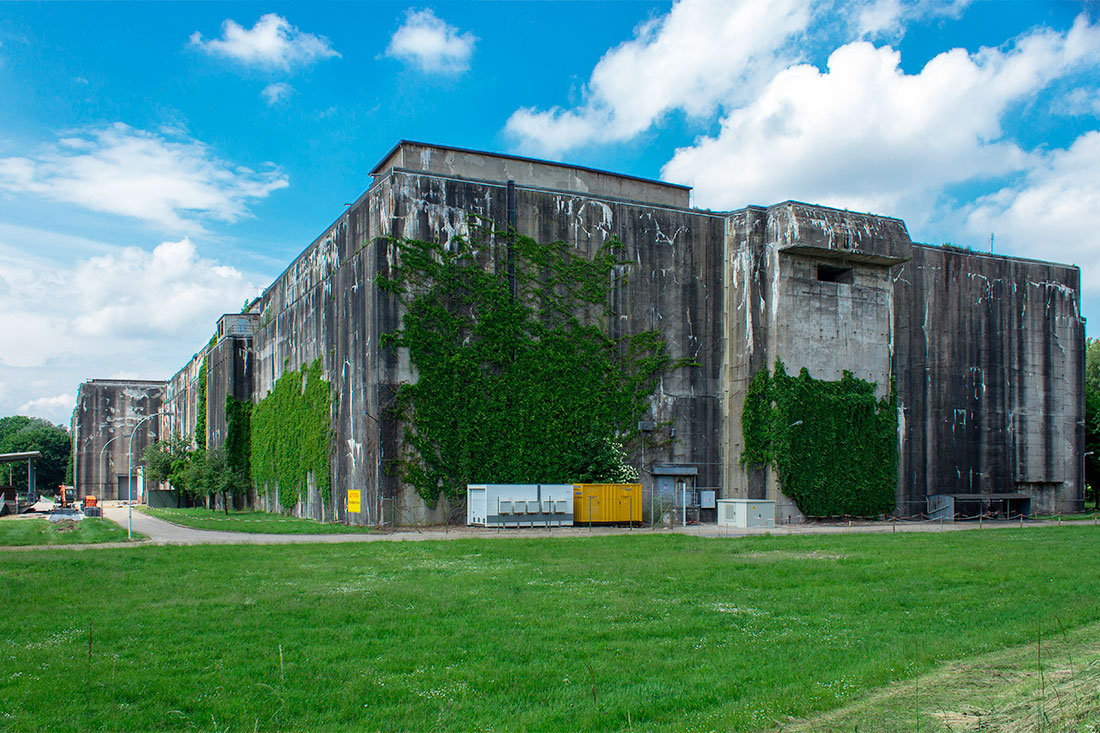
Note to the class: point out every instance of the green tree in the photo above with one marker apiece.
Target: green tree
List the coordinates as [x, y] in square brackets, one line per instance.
[169, 460]
[19, 434]
[221, 477]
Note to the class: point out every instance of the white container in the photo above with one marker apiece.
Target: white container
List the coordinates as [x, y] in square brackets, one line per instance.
[745, 513]
[519, 505]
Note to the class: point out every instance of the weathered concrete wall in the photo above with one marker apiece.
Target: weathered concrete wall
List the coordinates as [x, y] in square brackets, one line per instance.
[181, 399]
[107, 413]
[671, 285]
[228, 373]
[530, 173]
[812, 287]
[326, 305]
[990, 378]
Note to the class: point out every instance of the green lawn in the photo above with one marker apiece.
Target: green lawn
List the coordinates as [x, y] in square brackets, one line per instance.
[1086, 517]
[253, 522]
[1049, 684]
[642, 631]
[39, 531]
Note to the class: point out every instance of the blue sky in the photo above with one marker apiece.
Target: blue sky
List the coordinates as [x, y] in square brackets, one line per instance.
[161, 162]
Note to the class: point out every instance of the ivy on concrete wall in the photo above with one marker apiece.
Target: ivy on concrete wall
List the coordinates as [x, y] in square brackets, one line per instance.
[525, 388]
[292, 435]
[200, 419]
[238, 435]
[833, 445]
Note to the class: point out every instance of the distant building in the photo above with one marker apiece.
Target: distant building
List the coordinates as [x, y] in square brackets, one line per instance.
[987, 351]
[108, 412]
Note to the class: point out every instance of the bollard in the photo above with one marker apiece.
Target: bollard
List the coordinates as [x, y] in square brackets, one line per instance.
[893, 525]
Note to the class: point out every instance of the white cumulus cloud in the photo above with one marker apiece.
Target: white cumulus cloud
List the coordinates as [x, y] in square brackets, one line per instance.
[141, 312]
[702, 54]
[432, 45]
[271, 43]
[865, 135]
[1052, 213]
[888, 18]
[166, 178]
[139, 294]
[57, 409]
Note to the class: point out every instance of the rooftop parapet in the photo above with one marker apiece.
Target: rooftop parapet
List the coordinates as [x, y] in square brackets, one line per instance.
[825, 232]
[529, 172]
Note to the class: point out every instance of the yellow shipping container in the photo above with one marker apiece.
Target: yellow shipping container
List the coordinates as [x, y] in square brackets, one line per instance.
[595, 503]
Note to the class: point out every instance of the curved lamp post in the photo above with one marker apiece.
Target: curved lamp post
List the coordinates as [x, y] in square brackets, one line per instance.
[103, 465]
[130, 477]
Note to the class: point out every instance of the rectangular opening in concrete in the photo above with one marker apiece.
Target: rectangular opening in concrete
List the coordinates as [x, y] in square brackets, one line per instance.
[833, 274]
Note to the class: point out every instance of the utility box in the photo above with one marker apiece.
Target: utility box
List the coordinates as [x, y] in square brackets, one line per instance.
[519, 505]
[746, 513]
[607, 503]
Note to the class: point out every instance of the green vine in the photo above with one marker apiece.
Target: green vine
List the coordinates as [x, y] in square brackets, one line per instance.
[833, 445]
[523, 388]
[200, 419]
[238, 435]
[292, 435]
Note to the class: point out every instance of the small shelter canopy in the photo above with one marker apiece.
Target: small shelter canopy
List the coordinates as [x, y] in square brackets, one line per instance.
[14, 457]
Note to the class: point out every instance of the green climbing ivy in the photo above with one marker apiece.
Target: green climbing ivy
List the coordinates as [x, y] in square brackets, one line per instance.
[292, 435]
[527, 388]
[200, 419]
[238, 435]
[833, 445]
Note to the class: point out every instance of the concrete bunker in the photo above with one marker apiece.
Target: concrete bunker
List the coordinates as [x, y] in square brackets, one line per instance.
[985, 352]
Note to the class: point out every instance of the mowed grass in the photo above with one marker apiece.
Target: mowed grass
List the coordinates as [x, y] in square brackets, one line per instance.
[38, 531]
[1049, 684]
[641, 631]
[253, 522]
[1093, 517]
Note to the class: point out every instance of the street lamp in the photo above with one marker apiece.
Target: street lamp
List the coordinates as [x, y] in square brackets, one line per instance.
[130, 477]
[103, 465]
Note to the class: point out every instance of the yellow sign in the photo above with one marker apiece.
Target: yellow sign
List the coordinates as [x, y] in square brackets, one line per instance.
[353, 501]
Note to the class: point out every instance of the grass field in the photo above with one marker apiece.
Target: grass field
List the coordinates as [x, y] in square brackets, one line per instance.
[1050, 684]
[638, 632]
[253, 522]
[39, 531]
[1086, 517]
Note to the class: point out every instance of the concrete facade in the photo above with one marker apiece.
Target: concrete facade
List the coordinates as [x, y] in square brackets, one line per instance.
[108, 412]
[987, 352]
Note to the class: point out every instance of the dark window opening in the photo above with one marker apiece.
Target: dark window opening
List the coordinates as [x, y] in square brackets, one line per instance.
[830, 274]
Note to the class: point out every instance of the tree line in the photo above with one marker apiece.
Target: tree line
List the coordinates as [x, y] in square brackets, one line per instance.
[19, 434]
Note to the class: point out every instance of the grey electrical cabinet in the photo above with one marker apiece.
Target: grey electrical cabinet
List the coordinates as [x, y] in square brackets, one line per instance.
[519, 505]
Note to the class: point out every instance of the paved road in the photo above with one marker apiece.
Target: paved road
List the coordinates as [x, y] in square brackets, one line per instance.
[166, 533]
[160, 532]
